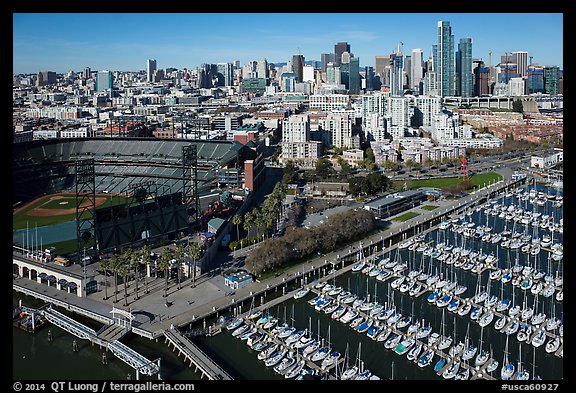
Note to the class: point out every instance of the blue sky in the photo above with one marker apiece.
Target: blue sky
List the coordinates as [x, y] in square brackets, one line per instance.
[121, 41]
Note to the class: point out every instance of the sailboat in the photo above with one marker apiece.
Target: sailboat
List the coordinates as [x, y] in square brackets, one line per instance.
[482, 356]
[507, 367]
[351, 372]
[521, 374]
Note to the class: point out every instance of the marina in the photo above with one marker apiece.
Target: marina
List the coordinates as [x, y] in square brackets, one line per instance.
[485, 292]
[454, 282]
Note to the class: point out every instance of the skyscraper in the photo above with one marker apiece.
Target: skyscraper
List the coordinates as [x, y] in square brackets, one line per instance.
[340, 48]
[298, 67]
[481, 76]
[397, 73]
[464, 68]
[380, 63]
[103, 80]
[521, 59]
[445, 57]
[551, 77]
[262, 69]
[332, 74]
[325, 59]
[416, 69]
[225, 74]
[535, 79]
[150, 68]
[354, 75]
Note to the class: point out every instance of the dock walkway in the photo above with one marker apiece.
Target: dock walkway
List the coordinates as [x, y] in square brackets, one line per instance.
[195, 355]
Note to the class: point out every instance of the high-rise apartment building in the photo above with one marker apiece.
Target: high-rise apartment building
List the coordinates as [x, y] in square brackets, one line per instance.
[481, 80]
[416, 69]
[104, 80]
[333, 74]
[87, 73]
[521, 59]
[340, 48]
[225, 74]
[464, 79]
[535, 79]
[397, 73]
[337, 128]
[262, 69]
[551, 78]
[296, 128]
[150, 68]
[354, 75]
[445, 58]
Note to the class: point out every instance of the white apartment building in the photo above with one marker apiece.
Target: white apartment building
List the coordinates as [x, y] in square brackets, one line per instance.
[516, 87]
[337, 129]
[296, 128]
[329, 102]
[425, 107]
[399, 113]
[305, 153]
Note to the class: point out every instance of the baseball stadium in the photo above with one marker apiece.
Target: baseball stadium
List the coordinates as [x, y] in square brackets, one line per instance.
[113, 192]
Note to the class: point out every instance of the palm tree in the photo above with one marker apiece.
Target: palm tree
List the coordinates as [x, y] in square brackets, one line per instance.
[179, 255]
[134, 264]
[164, 265]
[115, 263]
[237, 220]
[248, 222]
[257, 217]
[105, 265]
[145, 260]
[123, 270]
[194, 251]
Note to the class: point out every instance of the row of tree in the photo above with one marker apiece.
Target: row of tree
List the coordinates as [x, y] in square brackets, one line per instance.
[298, 243]
[263, 217]
[131, 263]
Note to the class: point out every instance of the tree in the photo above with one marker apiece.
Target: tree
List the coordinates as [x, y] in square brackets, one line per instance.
[346, 170]
[145, 260]
[369, 156]
[324, 168]
[289, 175]
[194, 252]
[105, 265]
[165, 265]
[517, 106]
[179, 256]
[115, 263]
[134, 264]
[123, 270]
[248, 222]
[237, 220]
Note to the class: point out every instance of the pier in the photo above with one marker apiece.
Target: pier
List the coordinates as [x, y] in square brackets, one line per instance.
[107, 338]
[195, 356]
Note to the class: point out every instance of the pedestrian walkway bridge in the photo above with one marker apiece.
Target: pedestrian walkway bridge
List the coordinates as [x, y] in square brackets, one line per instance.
[121, 351]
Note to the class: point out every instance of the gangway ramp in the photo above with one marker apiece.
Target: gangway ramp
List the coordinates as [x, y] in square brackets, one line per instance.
[195, 355]
[68, 324]
[133, 358]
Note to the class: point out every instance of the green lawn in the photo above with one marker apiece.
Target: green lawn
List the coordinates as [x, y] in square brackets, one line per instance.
[444, 183]
[429, 207]
[406, 216]
[21, 218]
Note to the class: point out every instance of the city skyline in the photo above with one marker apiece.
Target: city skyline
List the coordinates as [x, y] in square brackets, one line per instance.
[139, 37]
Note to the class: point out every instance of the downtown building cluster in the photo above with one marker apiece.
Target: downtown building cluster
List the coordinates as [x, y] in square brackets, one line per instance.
[307, 106]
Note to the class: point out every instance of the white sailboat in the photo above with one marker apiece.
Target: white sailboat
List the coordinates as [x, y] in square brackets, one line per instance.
[507, 367]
